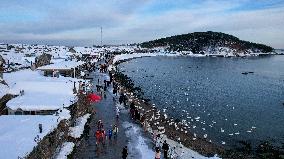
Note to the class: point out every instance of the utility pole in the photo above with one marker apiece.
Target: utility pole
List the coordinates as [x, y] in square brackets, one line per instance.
[101, 36]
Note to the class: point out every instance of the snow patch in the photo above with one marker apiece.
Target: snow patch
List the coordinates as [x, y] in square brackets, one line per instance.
[18, 134]
[65, 150]
[77, 130]
[134, 133]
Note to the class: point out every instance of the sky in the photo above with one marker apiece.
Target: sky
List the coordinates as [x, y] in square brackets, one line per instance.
[78, 22]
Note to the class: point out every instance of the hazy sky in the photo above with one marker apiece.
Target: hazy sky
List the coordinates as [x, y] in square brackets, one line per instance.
[77, 22]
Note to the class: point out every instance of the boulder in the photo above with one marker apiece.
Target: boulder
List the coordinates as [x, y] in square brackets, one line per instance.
[72, 50]
[43, 60]
[2, 61]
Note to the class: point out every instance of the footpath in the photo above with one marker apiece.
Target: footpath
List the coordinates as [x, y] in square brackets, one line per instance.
[128, 132]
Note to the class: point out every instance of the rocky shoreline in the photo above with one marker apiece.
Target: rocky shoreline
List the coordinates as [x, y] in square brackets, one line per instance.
[158, 121]
[176, 130]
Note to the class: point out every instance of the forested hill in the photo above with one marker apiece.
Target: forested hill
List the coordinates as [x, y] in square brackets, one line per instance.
[203, 42]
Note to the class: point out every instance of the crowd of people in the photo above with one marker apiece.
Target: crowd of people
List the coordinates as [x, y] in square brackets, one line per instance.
[102, 135]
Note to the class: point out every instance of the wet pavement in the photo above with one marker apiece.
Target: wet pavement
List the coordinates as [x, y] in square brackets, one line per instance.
[105, 111]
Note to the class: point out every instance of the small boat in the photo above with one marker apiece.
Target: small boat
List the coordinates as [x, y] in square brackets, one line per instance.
[244, 73]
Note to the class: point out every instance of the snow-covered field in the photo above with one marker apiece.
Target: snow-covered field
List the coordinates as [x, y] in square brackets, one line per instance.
[19, 133]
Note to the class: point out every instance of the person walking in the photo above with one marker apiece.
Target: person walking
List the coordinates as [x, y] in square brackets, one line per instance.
[144, 122]
[136, 114]
[121, 97]
[117, 112]
[109, 134]
[114, 89]
[157, 153]
[132, 110]
[98, 137]
[124, 99]
[99, 124]
[103, 136]
[115, 131]
[165, 147]
[86, 131]
[124, 152]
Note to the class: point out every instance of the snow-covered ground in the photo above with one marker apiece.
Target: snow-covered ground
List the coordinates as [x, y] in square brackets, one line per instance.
[22, 55]
[40, 93]
[19, 133]
[121, 57]
[143, 146]
[137, 55]
[77, 130]
[279, 51]
[184, 152]
[215, 51]
[137, 143]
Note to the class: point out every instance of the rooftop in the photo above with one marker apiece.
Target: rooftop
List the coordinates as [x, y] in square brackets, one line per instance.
[64, 65]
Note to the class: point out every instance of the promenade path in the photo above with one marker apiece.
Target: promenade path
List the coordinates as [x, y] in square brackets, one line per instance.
[105, 111]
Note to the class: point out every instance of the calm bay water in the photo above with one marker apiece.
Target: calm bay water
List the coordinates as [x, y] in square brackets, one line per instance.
[213, 95]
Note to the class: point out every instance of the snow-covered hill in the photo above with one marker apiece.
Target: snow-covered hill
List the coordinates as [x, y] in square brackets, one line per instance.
[207, 43]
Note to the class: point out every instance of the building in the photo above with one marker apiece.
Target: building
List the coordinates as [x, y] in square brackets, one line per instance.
[64, 68]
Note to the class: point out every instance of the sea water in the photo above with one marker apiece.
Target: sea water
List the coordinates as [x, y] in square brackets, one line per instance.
[214, 97]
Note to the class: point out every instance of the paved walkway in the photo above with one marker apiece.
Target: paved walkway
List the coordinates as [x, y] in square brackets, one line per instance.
[105, 109]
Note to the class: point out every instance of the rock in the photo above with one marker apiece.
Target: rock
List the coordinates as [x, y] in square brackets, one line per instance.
[72, 50]
[42, 60]
[3, 82]
[3, 101]
[2, 61]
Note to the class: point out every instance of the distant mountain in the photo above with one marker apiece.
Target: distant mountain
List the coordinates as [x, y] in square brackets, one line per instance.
[207, 43]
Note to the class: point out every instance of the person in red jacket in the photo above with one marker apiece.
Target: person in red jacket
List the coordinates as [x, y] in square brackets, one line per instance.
[98, 137]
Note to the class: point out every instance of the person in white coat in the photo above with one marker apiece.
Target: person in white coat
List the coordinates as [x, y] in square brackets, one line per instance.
[117, 112]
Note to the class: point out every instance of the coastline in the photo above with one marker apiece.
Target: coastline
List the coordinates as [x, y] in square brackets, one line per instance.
[178, 134]
[159, 122]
